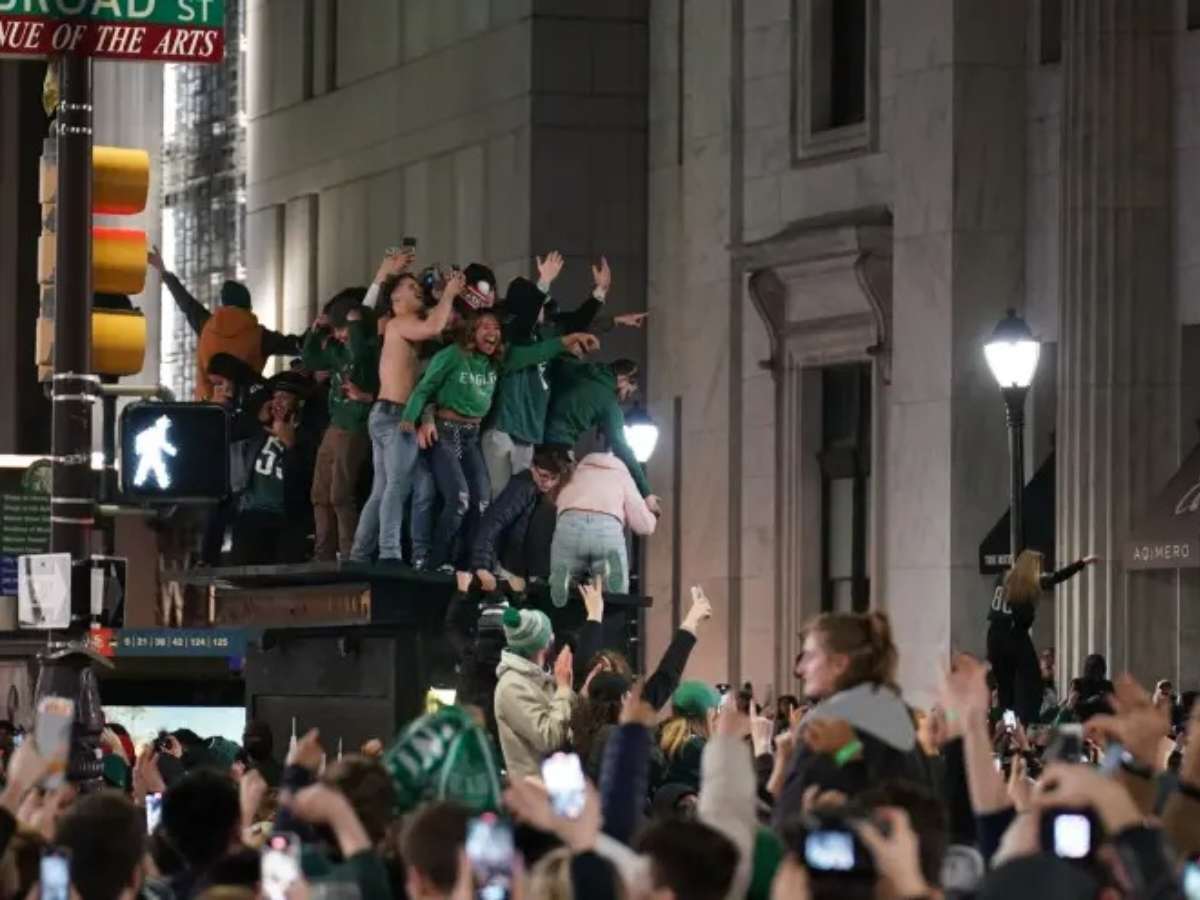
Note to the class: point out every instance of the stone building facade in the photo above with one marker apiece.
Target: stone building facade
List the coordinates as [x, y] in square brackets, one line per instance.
[826, 206]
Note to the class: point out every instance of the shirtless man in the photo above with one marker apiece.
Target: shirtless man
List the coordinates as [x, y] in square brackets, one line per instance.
[396, 453]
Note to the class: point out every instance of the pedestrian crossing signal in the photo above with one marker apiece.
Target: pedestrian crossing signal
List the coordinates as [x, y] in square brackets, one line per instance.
[174, 452]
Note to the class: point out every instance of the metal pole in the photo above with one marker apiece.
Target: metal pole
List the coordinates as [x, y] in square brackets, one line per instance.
[72, 499]
[1014, 402]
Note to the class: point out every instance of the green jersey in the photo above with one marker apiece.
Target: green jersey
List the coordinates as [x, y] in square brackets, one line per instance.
[465, 381]
[264, 493]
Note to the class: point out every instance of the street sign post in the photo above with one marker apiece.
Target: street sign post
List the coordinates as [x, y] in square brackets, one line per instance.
[152, 30]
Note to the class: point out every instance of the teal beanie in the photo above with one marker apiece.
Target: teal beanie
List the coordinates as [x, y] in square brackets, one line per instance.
[526, 630]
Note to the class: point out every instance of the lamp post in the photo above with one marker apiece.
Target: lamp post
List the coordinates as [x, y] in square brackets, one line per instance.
[1012, 355]
[642, 436]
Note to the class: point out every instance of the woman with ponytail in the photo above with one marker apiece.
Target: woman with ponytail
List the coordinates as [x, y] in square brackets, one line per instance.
[860, 731]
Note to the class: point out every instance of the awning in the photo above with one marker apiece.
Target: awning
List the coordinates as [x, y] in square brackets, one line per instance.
[1038, 500]
[1168, 534]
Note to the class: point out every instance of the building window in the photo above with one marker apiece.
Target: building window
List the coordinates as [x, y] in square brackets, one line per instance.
[845, 487]
[1050, 32]
[836, 77]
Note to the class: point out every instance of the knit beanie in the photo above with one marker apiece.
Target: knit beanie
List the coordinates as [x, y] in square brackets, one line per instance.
[234, 293]
[526, 630]
[694, 699]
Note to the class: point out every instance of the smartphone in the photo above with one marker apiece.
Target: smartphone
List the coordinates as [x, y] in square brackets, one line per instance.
[830, 850]
[52, 736]
[1010, 719]
[562, 773]
[153, 812]
[54, 876]
[409, 243]
[490, 850]
[279, 864]
[1191, 881]
[1110, 763]
[1067, 745]
[1071, 834]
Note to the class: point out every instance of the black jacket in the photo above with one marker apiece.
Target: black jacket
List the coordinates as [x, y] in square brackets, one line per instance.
[506, 520]
[246, 442]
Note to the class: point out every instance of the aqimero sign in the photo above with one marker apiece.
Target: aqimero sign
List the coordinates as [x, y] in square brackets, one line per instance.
[156, 30]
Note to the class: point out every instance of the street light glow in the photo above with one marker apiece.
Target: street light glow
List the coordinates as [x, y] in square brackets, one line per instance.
[641, 434]
[1012, 353]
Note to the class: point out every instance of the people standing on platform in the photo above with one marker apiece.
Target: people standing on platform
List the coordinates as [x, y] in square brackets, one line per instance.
[1010, 647]
[344, 342]
[232, 329]
[504, 533]
[399, 468]
[274, 511]
[461, 381]
[593, 509]
[533, 708]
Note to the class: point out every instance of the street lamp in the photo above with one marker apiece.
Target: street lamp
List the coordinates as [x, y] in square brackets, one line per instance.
[641, 434]
[1012, 355]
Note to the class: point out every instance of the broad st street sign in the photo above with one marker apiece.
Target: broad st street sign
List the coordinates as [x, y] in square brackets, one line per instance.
[155, 30]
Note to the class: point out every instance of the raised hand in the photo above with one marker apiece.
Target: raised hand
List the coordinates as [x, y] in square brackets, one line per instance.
[1139, 725]
[593, 599]
[549, 267]
[964, 688]
[896, 849]
[631, 320]
[564, 668]
[454, 285]
[602, 276]
[701, 610]
[154, 258]
[635, 710]
[308, 751]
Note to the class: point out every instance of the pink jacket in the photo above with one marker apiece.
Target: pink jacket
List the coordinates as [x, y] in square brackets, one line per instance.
[602, 484]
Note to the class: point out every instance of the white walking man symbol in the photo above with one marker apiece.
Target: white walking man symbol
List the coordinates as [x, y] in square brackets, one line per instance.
[150, 445]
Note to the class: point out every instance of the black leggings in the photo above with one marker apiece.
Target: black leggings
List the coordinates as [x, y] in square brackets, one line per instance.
[1015, 664]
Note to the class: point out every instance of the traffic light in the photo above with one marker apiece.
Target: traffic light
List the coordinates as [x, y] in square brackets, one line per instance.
[120, 183]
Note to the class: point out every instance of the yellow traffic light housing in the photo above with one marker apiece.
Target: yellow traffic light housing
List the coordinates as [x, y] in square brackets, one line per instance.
[120, 185]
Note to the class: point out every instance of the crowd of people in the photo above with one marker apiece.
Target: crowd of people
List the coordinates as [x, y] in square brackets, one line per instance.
[558, 772]
[426, 420]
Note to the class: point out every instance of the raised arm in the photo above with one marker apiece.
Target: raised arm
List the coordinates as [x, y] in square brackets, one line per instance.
[612, 425]
[193, 310]
[1050, 579]
[440, 367]
[426, 329]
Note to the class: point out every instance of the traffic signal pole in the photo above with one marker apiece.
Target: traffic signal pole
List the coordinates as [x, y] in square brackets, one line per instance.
[67, 671]
[75, 389]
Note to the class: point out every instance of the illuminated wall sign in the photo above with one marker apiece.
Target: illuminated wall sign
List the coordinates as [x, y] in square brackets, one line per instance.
[172, 452]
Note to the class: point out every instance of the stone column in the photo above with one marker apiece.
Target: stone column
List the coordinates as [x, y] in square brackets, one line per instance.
[1118, 330]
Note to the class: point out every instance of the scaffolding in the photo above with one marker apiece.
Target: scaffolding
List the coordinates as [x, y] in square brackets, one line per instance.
[203, 188]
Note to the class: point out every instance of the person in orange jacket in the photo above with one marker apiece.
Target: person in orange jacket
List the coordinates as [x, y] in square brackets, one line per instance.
[232, 329]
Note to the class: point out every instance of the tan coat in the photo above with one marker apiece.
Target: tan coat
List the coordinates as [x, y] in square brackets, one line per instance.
[533, 714]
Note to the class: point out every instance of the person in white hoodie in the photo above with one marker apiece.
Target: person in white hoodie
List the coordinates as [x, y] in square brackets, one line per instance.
[594, 507]
[533, 708]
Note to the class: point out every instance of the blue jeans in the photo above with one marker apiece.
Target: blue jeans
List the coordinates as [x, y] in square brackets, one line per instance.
[398, 470]
[587, 543]
[462, 480]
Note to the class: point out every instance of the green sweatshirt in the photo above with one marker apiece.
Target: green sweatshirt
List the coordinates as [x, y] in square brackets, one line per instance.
[465, 381]
[585, 396]
[356, 362]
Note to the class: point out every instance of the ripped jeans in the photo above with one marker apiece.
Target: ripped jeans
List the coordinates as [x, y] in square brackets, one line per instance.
[462, 481]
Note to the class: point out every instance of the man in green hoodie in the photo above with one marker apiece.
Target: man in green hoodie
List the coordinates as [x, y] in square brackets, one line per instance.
[589, 395]
[345, 342]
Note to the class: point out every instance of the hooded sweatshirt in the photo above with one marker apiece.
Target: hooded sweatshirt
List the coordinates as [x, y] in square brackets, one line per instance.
[354, 362]
[881, 721]
[601, 483]
[523, 396]
[584, 397]
[533, 714]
